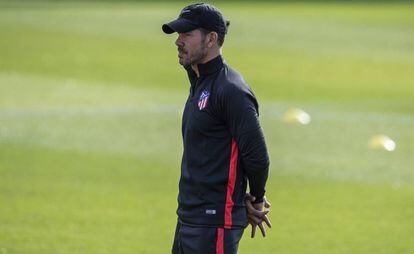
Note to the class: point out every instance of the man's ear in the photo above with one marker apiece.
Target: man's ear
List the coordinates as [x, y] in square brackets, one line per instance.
[212, 39]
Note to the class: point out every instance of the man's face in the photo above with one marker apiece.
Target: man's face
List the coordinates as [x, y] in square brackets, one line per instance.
[191, 47]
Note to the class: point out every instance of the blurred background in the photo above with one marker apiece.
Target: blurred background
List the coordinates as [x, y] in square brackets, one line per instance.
[91, 97]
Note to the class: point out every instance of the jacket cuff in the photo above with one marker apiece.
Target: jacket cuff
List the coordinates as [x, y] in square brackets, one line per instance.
[258, 200]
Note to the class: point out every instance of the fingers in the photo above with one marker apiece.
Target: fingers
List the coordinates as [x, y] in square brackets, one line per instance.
[256, 215]
[254, 219]
[262, 228]
[266, 203]
[254, 226]
[253, 230]
[258, 222]
[252, 210]
[267, 221]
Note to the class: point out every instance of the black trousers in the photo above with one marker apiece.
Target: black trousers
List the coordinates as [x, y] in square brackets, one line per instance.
[205, 240]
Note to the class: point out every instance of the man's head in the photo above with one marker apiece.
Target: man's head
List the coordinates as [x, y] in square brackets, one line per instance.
[201, 30]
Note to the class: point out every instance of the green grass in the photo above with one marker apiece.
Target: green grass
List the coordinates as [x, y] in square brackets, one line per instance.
[90, 104]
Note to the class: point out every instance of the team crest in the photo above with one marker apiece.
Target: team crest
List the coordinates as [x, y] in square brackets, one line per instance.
[202, 102]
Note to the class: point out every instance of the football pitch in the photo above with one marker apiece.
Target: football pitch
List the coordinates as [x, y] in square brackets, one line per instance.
[91, 97]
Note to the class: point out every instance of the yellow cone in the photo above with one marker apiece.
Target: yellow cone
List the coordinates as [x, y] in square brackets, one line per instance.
[295, 115]
[382, 142]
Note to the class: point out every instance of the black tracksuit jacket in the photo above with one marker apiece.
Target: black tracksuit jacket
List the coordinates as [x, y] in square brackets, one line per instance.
[224, 147]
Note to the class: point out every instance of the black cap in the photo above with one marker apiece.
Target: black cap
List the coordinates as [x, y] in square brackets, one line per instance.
[198, 16]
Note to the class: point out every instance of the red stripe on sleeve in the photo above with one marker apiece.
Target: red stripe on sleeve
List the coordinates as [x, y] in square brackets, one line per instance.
[230, 185]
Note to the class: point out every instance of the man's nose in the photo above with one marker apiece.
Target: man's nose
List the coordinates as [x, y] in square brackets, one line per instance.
[179, 42]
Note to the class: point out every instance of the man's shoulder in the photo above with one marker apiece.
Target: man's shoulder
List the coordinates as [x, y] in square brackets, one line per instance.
[230, 82]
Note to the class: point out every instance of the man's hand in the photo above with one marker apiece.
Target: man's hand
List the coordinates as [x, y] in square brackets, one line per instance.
[257, 213]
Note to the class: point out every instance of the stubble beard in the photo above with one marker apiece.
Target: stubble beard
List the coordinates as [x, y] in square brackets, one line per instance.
[195, 58]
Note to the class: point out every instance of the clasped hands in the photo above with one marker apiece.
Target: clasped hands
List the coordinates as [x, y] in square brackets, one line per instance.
[257, 214]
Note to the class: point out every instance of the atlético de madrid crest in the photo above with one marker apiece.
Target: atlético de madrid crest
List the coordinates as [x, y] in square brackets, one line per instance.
[202, 102]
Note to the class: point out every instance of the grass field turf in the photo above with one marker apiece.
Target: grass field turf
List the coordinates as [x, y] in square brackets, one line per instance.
[90, 101]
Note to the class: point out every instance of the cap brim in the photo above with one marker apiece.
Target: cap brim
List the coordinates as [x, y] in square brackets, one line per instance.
[179, 25]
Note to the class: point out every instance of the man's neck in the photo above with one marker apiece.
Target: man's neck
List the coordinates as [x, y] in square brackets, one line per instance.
[205, 60]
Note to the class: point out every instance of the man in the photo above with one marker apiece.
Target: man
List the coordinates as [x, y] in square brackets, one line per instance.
[224, 146]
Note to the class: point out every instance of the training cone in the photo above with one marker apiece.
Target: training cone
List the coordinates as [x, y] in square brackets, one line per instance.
[295, 115]
[382, 142]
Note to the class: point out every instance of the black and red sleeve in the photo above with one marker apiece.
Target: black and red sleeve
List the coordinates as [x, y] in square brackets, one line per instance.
[239, 110]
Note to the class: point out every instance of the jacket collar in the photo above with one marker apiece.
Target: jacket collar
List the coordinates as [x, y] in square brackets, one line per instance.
[208, 68]
[211, 66]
